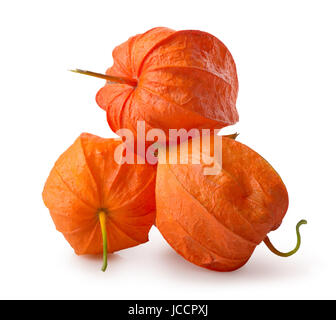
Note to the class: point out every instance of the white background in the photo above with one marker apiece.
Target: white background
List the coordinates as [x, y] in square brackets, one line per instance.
[285, 53]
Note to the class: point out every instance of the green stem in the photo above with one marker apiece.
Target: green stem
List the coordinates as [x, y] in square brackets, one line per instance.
[287, 254]
[107, 77]
[102, 220]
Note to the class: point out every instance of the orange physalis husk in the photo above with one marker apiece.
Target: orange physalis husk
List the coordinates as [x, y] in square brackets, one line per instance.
[99, 205]
[216, 221]
[171, 80]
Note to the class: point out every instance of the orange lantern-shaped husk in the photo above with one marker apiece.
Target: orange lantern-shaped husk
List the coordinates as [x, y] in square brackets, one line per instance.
[171, 80]
[99, 204]
[216, 220]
